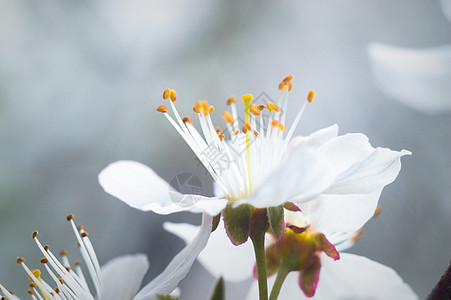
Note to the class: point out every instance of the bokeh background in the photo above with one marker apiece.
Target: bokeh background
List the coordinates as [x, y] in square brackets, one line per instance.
[80, 80]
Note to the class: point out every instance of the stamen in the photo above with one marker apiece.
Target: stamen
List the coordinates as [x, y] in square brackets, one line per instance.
[277, 124]
[272, 107]
[166, 94]
[231, 100]
[247, 101]
[287, 79]
[282, 86]
[173, 95]
[187, 120]
[310, 95]
[236, 132]
[246, 127]
[227, 117]
[162, 109]
[211, 109]
[255, 110]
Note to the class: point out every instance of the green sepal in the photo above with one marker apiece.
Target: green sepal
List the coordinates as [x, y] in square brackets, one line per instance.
[237, 223]
[167, 297]
[219, 291]
[276, 221]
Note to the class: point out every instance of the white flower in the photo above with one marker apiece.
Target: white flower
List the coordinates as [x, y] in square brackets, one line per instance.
[257, 163]
[118, 279]
[339, 219]
[418, 78]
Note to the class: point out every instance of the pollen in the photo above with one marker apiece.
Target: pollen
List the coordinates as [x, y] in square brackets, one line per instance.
[162, 109]
[255, 110]
[231, 100]
[187, 120]
[35, 234]
[287, 79]
[246, 127]
[173, 95]
[310, 95]
[247, 97]
[277, 124]
[227, 117]
[166, 94]
[272, 107]
[44, 260]
[20, 260]
[32, 284]
[282, 86]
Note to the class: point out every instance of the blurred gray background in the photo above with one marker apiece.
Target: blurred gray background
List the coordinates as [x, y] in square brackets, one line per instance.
[80, 81]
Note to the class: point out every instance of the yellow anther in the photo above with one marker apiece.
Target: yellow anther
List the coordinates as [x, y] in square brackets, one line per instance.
[30, 292]
[162, 109]
[254, 109]
[187, 120]
[255, 132]
[235, 132]
[272, 107]
[282, 86]
[196, 108]
[166, 94]
[231, 100]
[70, 217]
[211, 109]
[20, 260]
[35, 234]
[221, 136]
[287, 78]
[310, 95]
[227, 117]
[173, 95]
[277, 124]
[290, 86]
[32, 284]
[247, 97]
[246, 127]
[261, 107]
[44, 260]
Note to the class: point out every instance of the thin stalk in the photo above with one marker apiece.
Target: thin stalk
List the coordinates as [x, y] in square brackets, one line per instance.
[258, 240]
[281, 275]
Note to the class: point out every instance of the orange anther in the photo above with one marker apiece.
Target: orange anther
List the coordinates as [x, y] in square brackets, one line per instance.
[173, 96]
[282, 86]
[162, 109]
[166, 94]
[246, 127]
[290, 86]
[211, 109]
[287, 78]
[277, 124]
[272, 107]
[187, 120]
[310, 95]
[231, 100]
[227, 117]
[254, 109]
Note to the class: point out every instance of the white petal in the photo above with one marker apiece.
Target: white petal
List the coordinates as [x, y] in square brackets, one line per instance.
[418, 78]
[352, 277]
[446, 7]
[122, 276]
[303, 176]
[220, 257]
[314, 140]
[331, 214]
[346, 150]
[180, 265]
[373, 173]
[140, 187]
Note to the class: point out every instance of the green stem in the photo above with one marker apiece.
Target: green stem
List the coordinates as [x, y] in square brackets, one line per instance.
[259, 248]
[281, 275]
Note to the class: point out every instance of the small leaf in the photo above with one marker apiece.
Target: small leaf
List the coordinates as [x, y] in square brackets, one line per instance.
[276, 220]
[237, 223]
[297, 229]
[309, 276]
[219, 291]
[166, 297]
